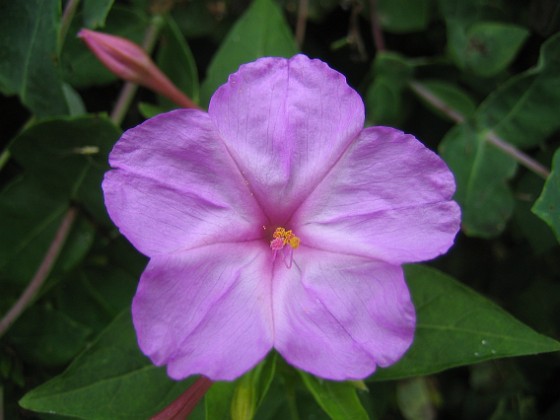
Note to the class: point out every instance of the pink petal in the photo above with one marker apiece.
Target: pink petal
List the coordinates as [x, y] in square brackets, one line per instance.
[175, 187]
[338, 316]
[206, 311]
[286, 122]
[388, 198]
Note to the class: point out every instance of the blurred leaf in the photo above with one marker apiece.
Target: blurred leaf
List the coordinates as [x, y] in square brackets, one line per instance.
[177, 62]
[69, 156]
[29, 31]
[240, 399]
[401, 16]
[95, 12]
[492, 46]
[547, 207]
[533, 228]
[251, 389]
[338, 399]
[29, 217]
[450, 94]
[456, 326]
[80, 67]
[481, 172]
[384, 97]
[46, 337]
[110, 380]
[148, 110]
[415, 398]
[261, 31]
[524, 110]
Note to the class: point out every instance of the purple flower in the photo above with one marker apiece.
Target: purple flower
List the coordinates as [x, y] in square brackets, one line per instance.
[276, 220]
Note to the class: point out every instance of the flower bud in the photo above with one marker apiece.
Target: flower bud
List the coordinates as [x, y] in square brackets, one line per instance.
[130, 62]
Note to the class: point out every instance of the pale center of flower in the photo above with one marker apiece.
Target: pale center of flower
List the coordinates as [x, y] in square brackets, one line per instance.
[284, 240]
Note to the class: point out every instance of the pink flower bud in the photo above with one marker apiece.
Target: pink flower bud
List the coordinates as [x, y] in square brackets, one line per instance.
[130, 62]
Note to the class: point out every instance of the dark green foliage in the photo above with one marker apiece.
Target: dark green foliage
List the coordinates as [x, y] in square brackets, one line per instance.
[462, 75]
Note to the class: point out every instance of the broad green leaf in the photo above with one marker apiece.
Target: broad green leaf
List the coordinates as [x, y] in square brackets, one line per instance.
[451, 95]
[29, 219]
[96, 11]
[177, 62]
[547, 207]
[261, 31]
[338, 399]
[492, 46]
[524, 110]
[456, 326]
[28, 40]
[79, 66]
[110, 380]
[69, 156]
[98, 292]
[384, 97]
[47, 337]
[481, 172]
[401, 16]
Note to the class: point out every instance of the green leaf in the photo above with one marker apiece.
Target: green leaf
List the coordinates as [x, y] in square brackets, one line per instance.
[96, 11]
[402, 16]
[338, 399]
[110, 380]
[492, 46]
[241, 399]
[251, 388]
[450, 94]
[523, 110]
[69, 156]
[547, 207]
[47, 337]
[531, 226]
[481, 172]
[261, 31]
[384, 97]
[177, 62]
[28, 40]
[29, 219]
[456, 326]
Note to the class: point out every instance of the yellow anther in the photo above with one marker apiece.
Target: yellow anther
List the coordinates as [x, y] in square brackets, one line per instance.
[287, 237]
[294, 241]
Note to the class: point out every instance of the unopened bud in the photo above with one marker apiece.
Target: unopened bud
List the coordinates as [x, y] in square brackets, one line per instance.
[128, 61]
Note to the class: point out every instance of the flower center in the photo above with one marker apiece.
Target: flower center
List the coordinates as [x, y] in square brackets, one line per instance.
[280, 238]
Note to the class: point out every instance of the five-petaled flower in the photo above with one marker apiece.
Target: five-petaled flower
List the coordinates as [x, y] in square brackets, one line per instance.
[276, 220]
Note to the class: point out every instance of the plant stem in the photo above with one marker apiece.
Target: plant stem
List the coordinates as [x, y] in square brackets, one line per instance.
[67, 16]
[376, 26]
[129, 89]
[301, 23]
[490, 136]
[186, 402]
[42, 272]
[518, 155]
[4, 158]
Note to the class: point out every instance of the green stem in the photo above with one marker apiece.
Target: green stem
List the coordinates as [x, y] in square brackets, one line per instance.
[4, 158]
[42, 272]
[301, 23]
[129, 89]
[67, 16]
[376, 26]
[490, 136]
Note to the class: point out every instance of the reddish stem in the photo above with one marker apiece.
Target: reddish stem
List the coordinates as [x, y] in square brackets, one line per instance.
[187, 401]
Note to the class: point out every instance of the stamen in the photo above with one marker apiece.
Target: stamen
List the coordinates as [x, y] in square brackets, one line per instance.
[281, 238]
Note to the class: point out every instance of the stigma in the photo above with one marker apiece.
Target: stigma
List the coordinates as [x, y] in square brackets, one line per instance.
[284, 240]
